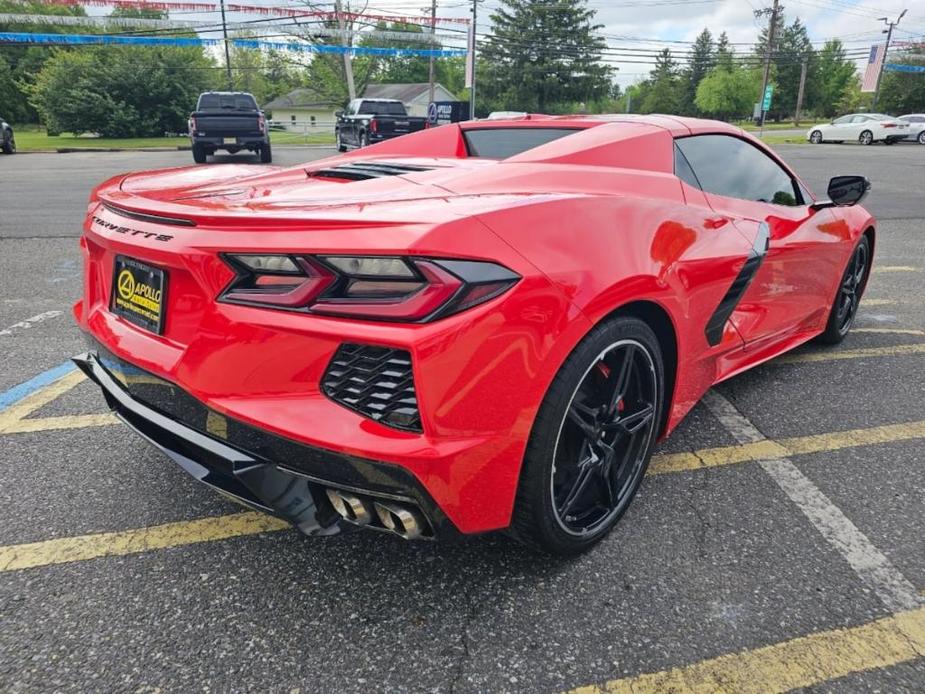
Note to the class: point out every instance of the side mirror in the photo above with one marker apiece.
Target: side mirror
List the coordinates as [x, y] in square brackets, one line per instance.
[338, 114]
[844, 191]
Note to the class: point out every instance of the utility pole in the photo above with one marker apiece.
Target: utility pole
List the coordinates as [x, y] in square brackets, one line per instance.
[433, 45]
[472, 56]
[886, 51]
[227, 50]
[796, 116]
[772, 30]
[348, 63]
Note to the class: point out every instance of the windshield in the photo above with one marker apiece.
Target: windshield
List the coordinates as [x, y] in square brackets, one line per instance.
[231, 102]
[501, 143]
[383, 108]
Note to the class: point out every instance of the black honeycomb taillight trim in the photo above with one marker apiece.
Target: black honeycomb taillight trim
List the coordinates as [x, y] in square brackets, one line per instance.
[376, 382]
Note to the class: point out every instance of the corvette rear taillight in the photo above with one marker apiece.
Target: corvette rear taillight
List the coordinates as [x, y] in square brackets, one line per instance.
[376, 288]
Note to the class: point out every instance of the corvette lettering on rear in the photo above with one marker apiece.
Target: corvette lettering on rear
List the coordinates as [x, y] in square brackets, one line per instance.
[130, 232]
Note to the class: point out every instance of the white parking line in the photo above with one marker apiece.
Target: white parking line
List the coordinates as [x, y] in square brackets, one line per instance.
[29, 322]
[869, 563]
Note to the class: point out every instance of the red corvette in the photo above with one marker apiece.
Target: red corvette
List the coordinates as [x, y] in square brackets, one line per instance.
[482, 326]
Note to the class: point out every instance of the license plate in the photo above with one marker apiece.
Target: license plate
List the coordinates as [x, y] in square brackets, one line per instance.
[138, 293]
[229, 140]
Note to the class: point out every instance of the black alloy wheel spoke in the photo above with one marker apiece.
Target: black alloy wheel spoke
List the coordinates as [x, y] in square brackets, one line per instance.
[604, 438]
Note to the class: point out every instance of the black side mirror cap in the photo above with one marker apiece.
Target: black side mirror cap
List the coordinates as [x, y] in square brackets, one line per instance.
[844, 191]
[338, 114]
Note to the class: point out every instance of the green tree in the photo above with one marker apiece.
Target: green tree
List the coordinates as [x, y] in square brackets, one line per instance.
[700, 62]
[98, 90]
[542, 56]
[266, 74]
[23, 63]
[725, 54]
[904, 92]
[728, 93]
[793, 49]
[663, 90]
[834, 73]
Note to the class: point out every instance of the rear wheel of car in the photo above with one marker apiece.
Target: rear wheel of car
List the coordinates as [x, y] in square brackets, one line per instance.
[199, 154]
[341, 147]
[889, 141]
[815, 137]
[9, 144]
[866, 137]
[266, 154]
[921, 138]
[850, 290]
[592, 439]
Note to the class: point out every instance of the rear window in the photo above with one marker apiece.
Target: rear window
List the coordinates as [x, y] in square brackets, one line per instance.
[501, 143]
[383, 108]
[232, 102]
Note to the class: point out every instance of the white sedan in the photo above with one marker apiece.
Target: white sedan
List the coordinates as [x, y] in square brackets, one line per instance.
[916, 123]
[865, 128]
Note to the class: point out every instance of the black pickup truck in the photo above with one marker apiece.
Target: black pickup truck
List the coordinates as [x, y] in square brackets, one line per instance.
[231, 121]
[367, 121]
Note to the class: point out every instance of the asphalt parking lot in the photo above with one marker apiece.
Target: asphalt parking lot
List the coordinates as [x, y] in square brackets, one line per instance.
[778, 542]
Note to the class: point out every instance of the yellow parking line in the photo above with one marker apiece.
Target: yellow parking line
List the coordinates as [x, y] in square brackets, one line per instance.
[781, 667]
[79, 421]
[12, 414]
[878, 302]
[83, 547]
[889, 331]
[895, 268]
[783, 448]
[893, 351]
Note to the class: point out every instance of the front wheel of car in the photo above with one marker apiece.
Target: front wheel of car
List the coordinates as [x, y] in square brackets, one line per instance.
[866, 137]
[815, 137]
[364, 140]
[9, 145]
[591, 440]
[850, 290]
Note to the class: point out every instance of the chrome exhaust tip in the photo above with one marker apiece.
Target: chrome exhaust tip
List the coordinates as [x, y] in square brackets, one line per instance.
[403, 521]
[350, 507]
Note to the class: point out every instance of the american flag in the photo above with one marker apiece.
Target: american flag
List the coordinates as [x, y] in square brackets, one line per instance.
[869, 83]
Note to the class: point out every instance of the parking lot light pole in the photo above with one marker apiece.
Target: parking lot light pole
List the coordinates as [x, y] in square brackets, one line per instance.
[886, 52]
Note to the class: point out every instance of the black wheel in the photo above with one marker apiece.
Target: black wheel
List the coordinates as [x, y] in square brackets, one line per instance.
[815, 137]
[341, 147]
[592, 439]
[921, 138]
[889, 141]
[266, 154]
[364, 140]
[866, 137]
[9, 144]
[199, 154]
[850, 290]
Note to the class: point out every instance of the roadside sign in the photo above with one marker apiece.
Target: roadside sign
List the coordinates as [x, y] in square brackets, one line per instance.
[769, 90]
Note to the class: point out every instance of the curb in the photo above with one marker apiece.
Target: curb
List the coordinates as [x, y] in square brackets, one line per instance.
[178, 148]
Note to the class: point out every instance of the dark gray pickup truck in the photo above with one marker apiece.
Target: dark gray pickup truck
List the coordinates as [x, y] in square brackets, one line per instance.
[231, 121]
[368, 121]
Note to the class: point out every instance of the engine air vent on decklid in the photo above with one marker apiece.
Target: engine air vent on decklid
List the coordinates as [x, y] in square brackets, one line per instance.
[363, 170]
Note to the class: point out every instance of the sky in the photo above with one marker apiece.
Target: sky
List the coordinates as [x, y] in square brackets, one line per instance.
[635, 29]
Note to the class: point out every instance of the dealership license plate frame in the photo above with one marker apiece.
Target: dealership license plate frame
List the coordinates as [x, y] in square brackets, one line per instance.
[124, 291]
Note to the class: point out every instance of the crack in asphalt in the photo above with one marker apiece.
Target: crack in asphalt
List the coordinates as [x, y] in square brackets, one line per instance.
[464, 639]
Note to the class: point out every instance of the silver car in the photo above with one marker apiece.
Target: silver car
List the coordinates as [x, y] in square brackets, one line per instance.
[916, 123]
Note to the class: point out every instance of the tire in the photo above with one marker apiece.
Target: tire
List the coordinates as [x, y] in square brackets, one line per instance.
[848, 297]
[890, 141]
[921, 138]
[571, 428]
[866, 138]
[815, 137]
[266, 154]
[199, 154]
[364, 140]
[9, 144]
[341, 147]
